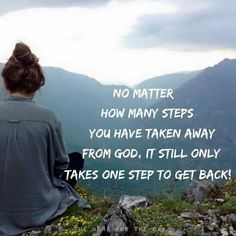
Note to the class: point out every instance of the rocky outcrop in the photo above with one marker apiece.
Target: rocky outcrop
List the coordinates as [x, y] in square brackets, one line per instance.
[198, 191]
[130, 202]
[211, 223]
[118, 220]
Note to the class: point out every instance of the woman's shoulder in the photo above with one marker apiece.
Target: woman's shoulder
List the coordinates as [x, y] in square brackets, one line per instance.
[23, 109]
[45, 113]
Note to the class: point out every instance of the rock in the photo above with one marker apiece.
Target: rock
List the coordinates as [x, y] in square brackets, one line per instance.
[45, 230]
[232, 219]
[214, 234]
[117, 222]
[211, 212]
[232, 231]
[59, 226]
[187, 215]
[33, 233]
[211, 226]
[128, 202]
[174, 232]
[194, 228]
[198, 191]
[219, 200]
[224, 232]
[223, 219]
[48, 230]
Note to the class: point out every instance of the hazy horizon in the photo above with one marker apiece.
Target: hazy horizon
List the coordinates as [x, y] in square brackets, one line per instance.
[118, 83]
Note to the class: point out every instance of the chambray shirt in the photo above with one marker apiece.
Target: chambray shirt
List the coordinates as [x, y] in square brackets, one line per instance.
[32, 158]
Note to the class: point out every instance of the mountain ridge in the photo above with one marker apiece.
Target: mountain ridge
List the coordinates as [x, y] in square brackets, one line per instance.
[78, 104]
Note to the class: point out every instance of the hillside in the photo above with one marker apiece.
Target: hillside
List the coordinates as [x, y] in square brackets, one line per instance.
[212, 96]
[166, 214]
[172, 81]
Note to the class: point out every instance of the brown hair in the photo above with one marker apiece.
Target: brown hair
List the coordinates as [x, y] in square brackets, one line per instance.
[22, 72]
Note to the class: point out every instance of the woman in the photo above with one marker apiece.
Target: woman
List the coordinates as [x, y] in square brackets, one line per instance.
[32, 151]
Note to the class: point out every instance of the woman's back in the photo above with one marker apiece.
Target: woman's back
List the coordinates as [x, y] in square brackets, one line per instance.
[32, 159]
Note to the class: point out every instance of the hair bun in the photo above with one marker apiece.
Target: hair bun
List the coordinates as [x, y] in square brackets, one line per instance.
[23, 55]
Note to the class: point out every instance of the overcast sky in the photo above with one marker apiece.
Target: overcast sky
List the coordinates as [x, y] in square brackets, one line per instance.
[121, 41]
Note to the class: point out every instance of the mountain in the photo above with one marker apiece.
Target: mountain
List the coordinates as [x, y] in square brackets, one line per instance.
[173, 81]
[78, 100]
[212, 96]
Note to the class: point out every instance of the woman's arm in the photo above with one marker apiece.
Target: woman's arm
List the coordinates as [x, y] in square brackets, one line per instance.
[62, 159]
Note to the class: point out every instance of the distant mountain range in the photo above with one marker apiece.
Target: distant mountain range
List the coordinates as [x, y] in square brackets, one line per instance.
[211, 93]
[212, 96]
[172, 81]
[78, 100]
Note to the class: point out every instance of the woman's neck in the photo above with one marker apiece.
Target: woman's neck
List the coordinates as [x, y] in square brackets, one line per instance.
[20, 94]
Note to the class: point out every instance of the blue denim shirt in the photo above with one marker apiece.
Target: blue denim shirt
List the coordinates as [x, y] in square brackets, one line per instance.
[32, 158]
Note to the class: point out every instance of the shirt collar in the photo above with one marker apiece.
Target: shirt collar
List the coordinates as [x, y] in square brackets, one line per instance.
[18, 98]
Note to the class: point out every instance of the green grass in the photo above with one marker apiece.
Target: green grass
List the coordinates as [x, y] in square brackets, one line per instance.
[153, 221]
[229, 206]
[77, 221]
[162, 214]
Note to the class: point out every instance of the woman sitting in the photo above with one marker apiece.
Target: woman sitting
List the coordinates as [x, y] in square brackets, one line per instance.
[33, 156]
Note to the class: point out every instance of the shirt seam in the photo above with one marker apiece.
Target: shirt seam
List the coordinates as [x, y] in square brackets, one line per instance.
[38, 121]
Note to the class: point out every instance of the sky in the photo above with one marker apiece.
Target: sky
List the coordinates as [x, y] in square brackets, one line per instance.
[121, 41]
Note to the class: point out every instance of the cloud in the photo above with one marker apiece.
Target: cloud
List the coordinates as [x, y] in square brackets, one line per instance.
[13, 5]
[87, 40]
[195, 25]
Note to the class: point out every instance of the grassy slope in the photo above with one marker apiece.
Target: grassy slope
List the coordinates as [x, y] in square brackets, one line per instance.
[161, 214]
